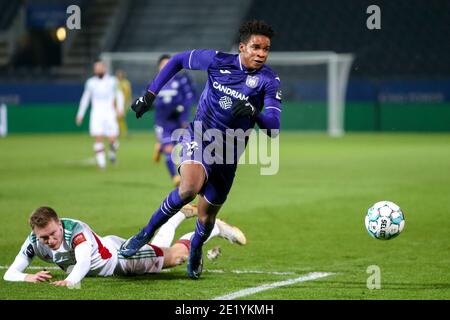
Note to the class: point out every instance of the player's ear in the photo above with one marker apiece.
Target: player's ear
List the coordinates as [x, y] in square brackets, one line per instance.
[241, 46]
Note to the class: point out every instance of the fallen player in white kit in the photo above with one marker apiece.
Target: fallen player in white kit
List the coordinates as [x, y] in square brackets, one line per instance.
[79, 251]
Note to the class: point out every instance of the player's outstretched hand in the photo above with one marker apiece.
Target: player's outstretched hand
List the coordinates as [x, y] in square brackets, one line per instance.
[243, 109]
[143, 104]
[41, 276]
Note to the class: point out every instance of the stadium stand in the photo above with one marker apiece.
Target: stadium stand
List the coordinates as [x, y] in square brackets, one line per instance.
[8, 10]
[413, 40]
[178, 25]
[98, 20]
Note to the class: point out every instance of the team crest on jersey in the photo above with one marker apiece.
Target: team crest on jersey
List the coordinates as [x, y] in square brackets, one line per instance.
[79, 238]
[252, 81]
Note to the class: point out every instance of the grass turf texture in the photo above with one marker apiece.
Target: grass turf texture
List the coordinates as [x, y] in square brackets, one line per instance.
[309, 217]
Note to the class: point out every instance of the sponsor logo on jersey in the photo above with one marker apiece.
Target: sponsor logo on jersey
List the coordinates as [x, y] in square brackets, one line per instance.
[252, 81]
[225, 102]
[229, 91]
[62, 260]
[224, 71]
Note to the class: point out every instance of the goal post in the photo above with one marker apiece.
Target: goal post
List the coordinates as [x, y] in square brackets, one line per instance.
[337, 74]
[319, 76]
[3, 120]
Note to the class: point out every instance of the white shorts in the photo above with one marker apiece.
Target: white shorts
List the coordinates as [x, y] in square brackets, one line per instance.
[103, 126]
[149, 259]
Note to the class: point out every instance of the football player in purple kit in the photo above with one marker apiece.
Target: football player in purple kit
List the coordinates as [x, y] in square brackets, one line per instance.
[172, 109]
[241, 91]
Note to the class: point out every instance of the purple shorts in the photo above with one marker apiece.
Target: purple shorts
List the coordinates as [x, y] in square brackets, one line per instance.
[219, 176]
[164, 135]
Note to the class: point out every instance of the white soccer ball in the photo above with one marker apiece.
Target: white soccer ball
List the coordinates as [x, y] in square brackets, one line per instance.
[384, 220]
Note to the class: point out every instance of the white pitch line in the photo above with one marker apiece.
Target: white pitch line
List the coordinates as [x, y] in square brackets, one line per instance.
[245, 292]
[250, 271]
[277, 273]
[170, 270]
[85, 162]
[35, 268]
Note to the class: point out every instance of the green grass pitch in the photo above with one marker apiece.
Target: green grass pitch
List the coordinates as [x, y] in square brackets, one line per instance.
[307, 218]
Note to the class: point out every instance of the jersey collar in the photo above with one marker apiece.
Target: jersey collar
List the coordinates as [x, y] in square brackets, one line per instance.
[243, 68]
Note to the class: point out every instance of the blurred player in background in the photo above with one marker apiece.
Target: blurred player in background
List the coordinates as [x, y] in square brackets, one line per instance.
[79, 251]
[103, 93]
[172, 110]
[241, 91]
[125, 87]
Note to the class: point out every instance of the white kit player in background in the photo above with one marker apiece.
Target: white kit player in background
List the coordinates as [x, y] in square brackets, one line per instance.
[79, 251]
[107, 105]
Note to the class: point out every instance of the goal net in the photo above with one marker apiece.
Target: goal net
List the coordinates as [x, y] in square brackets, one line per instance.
[313, 83]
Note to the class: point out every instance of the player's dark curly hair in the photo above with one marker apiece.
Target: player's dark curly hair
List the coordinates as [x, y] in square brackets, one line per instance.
[254, 27]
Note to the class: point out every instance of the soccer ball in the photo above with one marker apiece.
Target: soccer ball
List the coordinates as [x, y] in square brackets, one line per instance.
[384, 220]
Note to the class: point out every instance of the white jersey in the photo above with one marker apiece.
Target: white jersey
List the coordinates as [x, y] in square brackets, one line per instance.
[103, 94]
[84, 253]
[103, 256]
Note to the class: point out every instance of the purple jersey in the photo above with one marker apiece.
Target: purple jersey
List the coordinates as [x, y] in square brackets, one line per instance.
[228, 81]
[174, 101]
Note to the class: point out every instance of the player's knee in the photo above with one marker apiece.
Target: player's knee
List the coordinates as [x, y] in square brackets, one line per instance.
[98, 147]
[168, 149]
[187, 194]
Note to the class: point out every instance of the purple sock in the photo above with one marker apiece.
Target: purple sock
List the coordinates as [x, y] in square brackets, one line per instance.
[170, 164]
[171, 205]
[202, 233]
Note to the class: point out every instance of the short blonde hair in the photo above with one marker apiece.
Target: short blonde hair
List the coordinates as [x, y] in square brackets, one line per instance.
[42, 216]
